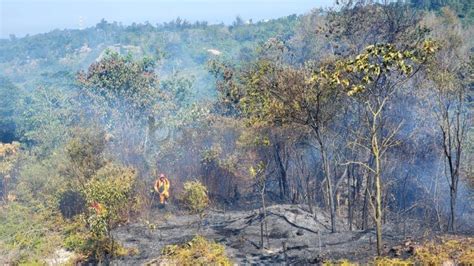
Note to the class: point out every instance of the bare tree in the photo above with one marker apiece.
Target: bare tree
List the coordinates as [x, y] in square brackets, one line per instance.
[448, 72]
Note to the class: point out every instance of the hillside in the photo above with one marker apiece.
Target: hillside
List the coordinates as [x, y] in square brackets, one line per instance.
[342, 135]
[178, 46]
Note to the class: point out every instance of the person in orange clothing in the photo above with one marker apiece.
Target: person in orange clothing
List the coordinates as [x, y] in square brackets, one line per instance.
[162, 187]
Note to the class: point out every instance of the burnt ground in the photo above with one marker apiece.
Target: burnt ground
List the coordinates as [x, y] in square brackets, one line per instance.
[307, 240]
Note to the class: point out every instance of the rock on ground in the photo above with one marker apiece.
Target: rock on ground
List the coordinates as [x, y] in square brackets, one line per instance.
[59, 257]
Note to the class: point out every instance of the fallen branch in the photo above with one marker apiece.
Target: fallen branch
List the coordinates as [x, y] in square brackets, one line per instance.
[293, 224]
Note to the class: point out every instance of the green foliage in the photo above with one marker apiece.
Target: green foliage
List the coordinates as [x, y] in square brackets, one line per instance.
[463, 8]
[195, 196]
[8, 105]
[121, 82]
[39, 181]
[85, 152]
[181, 109]
[276, 85]
[180, 88]
[111, 187]
[377, 61]
[198, 251]
[46, 118]
[76, 236]
[109, 196]
[26, 235]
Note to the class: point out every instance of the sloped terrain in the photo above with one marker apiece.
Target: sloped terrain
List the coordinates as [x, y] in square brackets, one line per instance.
[294, 236]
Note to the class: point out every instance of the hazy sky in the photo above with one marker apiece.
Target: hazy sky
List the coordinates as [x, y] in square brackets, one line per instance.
[21, 17]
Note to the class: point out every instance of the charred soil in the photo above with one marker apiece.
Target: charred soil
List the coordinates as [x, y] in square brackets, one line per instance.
[294, 236]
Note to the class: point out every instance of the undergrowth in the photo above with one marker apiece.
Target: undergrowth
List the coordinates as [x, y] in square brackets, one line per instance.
[459, 251]
[198, 251]
[26, 235]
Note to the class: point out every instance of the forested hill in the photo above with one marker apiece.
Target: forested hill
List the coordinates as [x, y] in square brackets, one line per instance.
[179, 46]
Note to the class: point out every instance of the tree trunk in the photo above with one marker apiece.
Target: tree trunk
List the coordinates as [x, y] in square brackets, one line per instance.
[453, 195]
[378, 184]
[264, 218]
[378, 213]
[309, 197]
[365, 207]
[330, 189]
[327, 173]
[283, 182]
[350, 199]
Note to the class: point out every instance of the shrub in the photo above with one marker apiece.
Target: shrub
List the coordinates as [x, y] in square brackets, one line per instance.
[108, 195]
[112, 188]
[198, 251]
[85, 153]
[195, 197]
[77, 237]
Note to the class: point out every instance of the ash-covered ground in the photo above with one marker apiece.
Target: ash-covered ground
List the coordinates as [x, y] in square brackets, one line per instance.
[295, 236]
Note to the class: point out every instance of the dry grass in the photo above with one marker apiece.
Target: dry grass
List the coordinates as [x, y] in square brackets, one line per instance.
[454, 250]
[382, 261]
[450, 250]
[198, 251]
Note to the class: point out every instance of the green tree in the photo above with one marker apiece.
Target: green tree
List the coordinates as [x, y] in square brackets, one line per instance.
[123, 95]
[46, 116]
[463, 8]
[8, 105]
[271, 93]
[121, 82]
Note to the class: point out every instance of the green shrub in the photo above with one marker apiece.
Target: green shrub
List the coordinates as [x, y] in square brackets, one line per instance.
[195, 197]
[85, 152]
[111, 189]
[108, 195]
[77, 236]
